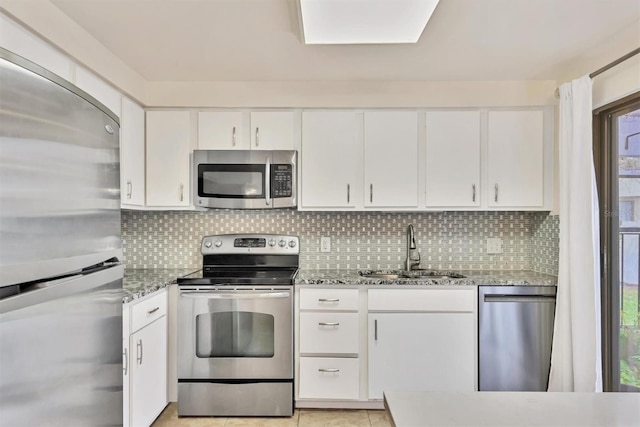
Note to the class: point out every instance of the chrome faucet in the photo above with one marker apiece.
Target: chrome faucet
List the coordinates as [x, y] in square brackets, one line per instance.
[411, 260]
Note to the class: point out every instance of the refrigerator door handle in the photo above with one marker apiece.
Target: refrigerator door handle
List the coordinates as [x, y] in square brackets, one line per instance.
[48, 291]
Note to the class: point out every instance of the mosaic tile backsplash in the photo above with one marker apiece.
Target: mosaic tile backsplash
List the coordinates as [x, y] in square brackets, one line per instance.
[359, 240]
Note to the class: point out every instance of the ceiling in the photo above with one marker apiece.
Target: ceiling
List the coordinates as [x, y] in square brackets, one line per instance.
[259, 40]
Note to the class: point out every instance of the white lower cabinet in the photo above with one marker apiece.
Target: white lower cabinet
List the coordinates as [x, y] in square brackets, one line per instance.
[329, 328]
[145, 379]
[355, 344]
[420, 351]
[329, 378]
[426, 343]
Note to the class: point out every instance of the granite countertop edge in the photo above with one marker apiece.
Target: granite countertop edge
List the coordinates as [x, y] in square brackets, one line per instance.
[140, 282]
[471, 278]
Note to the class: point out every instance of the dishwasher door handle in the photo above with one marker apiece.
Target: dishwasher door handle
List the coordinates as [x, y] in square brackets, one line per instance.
[520, 298]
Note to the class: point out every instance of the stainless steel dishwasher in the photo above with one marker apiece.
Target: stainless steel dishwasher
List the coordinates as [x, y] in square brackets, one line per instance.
[515, 332]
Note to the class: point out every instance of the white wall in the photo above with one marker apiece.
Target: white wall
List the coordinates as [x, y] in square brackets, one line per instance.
[50, 23]
[351, 94]
[616, 83]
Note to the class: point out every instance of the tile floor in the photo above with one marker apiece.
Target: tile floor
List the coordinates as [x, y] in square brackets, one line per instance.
[300, 418]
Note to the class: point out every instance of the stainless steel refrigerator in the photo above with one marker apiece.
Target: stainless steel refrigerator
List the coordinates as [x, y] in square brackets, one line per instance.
[60, 253]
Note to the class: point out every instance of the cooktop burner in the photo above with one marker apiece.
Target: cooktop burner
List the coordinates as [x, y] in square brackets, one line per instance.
[246, 259]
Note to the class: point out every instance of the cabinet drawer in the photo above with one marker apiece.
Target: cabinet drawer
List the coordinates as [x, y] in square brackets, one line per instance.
[148, 310]
[329, 378]
[329, 332]
[329, 299]
[456, 300]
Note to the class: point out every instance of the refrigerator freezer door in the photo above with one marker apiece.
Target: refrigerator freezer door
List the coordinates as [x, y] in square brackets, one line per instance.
[59, 169]
[61, 352]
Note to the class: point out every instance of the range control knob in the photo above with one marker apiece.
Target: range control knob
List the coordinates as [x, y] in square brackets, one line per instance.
[292, 243]
[207, 243]
[218, 243]
[282, 243]
[272, 242]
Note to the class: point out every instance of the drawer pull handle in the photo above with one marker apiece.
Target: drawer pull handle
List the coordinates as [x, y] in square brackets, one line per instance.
[125, 355]
[328, 299]
[329, 324]
[330, 370]
[153, 310]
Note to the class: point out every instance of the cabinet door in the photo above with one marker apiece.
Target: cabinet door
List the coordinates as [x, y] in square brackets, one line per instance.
[149, 372]
[515, 167]
[453, 159]
[168, 141]
[272, 130]
[331, 164]
[126, 366]
[132, 153]
[221, 130]
[391, 159]
[421, 351]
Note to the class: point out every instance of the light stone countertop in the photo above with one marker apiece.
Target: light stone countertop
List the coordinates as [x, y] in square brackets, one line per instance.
[140, 282]
[472, 278]
[512, 409]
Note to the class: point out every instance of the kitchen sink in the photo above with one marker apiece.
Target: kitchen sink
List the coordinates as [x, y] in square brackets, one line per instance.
[412, 274]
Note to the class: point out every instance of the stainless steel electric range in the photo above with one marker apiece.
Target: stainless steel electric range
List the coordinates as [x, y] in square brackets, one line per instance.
[235, 328]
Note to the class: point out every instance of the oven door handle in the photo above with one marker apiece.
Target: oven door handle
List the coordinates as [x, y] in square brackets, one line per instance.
[218, 295]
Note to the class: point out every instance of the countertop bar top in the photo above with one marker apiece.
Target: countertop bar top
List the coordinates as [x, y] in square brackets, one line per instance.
[472, 278]
[140, 282]
[513, 409]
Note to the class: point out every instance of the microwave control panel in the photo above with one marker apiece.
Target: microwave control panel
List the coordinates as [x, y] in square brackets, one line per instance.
[281, 181]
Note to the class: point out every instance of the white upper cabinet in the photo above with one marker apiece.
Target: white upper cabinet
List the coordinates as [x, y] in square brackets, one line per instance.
[331, 166]
[237, 130]
[272, 130]
[99, 89]
[515, 159]
[20, 41]
[391, 159]
[221, 130]
[452, 159]
[132, 164]
[168, 163]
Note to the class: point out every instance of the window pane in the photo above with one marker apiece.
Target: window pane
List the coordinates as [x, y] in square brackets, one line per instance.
[627, 131]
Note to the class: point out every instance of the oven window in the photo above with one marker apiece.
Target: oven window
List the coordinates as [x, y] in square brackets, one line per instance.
[234, 334]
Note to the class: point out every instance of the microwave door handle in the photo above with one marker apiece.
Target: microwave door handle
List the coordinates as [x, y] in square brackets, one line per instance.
[267, 181]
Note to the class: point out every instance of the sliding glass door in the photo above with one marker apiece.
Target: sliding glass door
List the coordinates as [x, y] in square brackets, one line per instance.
[617, 152]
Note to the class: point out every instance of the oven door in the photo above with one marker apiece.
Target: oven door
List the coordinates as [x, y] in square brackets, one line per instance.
[235, 333]
[236, 179]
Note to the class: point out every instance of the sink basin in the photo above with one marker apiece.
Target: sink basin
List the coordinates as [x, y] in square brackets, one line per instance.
[382, 276]
[413, 274]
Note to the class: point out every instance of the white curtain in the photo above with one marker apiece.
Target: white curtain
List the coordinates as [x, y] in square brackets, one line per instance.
[576, 353]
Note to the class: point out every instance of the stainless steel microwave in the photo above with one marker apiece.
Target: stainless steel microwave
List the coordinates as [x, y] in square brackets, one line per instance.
[245, 179]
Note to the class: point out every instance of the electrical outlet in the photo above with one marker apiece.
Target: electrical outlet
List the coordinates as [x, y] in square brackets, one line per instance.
[494, 246]
[325, 244]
